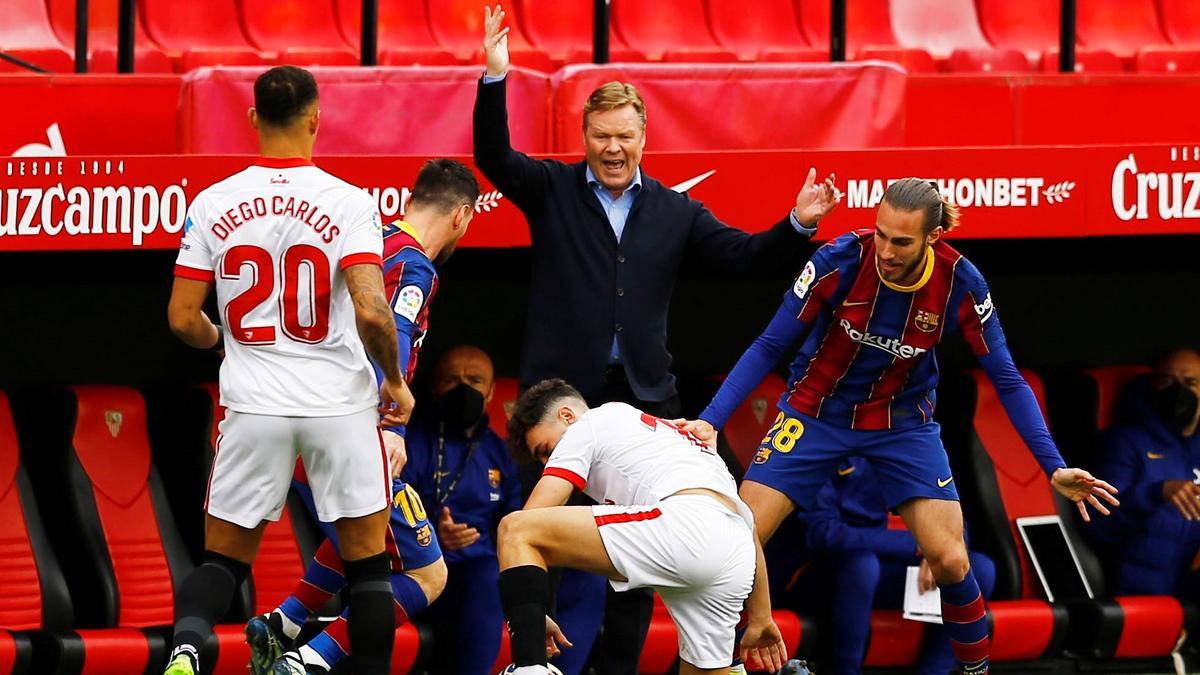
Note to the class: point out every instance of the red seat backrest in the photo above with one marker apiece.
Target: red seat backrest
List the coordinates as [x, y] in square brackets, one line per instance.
[25, 24]
[1109, 381]
[867, 24]
[279, 563]
[662, 25]
[753, 418]
[1024, 489]
[110, 442]
[1028, 25]
[1120, 26]
[403, 24]
[989, 61]
[21, 605]
[180, 26]
[771, 23]
[1181, 21]
[458, 27]
[275, 25]
[504, 399]
[102, 24]
[937, 26]
[560, 28]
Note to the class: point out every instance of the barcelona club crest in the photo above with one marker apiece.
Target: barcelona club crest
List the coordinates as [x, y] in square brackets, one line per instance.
[927, 320]
[762, 455]
[424, 535]
[494, 477]
[113, 418]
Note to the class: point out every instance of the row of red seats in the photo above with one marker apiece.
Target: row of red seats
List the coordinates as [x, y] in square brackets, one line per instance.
[923, 35]
[1006, 484]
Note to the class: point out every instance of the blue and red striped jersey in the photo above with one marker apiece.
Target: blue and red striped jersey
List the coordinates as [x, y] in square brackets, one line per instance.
[866, 359]
[410, 282]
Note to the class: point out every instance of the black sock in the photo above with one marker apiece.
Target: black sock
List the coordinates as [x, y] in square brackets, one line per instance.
[523, 593]
[205, 597]
[372, 620]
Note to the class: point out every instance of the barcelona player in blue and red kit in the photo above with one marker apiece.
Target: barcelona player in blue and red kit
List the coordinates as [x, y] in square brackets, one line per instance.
[442, 206]
[870, 307]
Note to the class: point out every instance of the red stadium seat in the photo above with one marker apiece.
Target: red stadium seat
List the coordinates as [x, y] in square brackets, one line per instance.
[753, 418]
[1181, 21]
[458, 27]
[1086, 61]
[25, 33]
[937, 26]
[912, 60]
[199, 34]
[1170, 60]
[1009, 484]
[668, 30]
[867, 24]
[504, 399]
[404, 38]
[770, 32]
[564, 31]
[895, 642]
[989, 61]
[1109, 381]
[102, 37]
[1120, 26]
[299, 32]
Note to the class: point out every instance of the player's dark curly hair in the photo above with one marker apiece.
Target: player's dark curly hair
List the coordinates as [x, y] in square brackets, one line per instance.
[915, 194]
[532, 408]
[445, 185]
[283, 93]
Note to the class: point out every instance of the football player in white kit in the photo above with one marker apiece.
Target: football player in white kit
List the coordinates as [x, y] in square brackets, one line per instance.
[295, 256]
[668, 518]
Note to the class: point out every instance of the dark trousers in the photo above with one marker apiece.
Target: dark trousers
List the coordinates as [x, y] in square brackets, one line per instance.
[627, 616]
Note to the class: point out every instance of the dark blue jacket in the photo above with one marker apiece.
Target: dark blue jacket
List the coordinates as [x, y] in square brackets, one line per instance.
[1151, 538]
[587, 286]
[487, 490]
[851, 515]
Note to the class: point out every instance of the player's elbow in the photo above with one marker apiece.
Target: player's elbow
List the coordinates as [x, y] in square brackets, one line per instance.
[182, 320]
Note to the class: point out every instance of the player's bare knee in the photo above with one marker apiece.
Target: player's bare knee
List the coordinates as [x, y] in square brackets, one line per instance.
[431, 578]
[515, 528]
[949, 566]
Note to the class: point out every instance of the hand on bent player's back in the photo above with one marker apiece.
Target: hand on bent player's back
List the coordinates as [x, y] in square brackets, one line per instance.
[1083, 488]
[703, 431]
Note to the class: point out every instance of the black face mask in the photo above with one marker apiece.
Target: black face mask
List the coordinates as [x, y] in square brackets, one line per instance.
[461, 408]
[1177, 405]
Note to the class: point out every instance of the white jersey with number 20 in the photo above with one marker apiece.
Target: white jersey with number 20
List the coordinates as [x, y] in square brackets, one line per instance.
[275, 239]
[616, 454]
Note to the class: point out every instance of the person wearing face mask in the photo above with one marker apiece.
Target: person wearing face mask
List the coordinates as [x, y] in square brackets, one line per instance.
[1153, 457]
[468, 480]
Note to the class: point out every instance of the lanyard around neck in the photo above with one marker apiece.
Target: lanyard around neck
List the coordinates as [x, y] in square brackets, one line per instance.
[441, 457]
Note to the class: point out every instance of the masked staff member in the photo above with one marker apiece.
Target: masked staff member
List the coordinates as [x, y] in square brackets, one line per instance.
[468, 481]
[1153, 458]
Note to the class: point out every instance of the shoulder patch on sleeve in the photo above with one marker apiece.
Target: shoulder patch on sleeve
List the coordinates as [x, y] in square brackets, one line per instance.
[409, 301]
[804, 282]
[985, 309]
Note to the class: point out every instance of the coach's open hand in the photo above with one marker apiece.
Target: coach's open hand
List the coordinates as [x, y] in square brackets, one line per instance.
[814, 201]
[1083, 488]
[762, 646]
[452, 535]
[495, 41]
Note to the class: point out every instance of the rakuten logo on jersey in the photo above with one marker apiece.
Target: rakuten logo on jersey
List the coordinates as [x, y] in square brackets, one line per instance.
[1002, 192]
[73, 210]
[1175, 194]
[892, 346]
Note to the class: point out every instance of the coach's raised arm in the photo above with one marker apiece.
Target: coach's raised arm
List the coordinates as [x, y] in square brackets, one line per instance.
[608, 240]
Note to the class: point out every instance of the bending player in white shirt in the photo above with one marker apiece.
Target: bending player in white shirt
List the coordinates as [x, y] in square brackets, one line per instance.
[668, 518]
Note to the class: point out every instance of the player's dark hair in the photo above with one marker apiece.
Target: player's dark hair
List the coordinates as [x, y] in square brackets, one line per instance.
[531, 410]
[283, 93]
[916, 194]
[445, 185]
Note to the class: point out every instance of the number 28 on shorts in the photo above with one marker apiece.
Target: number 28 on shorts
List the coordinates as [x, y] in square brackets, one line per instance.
[781, 437]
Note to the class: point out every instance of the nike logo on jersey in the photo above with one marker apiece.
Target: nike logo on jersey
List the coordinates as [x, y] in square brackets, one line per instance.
[1154, 455]
[943, 483]
[855, 304]
[846, 471]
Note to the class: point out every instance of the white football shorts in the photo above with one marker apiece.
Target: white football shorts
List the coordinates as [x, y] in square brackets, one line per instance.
[252, 470]
[697, 555]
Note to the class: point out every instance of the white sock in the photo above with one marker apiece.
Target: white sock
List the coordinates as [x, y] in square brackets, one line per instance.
[531, 670]
[290, 628]
[310, 657]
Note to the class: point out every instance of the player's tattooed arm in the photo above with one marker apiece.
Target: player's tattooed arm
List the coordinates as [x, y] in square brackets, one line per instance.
[377, 328]
[186, 315]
